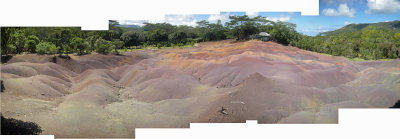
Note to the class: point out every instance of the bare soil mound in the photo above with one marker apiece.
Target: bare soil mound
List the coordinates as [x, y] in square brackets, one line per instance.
[223, 81]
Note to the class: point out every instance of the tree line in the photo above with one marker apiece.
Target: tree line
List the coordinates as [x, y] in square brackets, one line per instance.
[367, 41]
[67, 40]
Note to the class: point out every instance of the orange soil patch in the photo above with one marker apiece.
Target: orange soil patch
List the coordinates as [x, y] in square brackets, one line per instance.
[109, 95]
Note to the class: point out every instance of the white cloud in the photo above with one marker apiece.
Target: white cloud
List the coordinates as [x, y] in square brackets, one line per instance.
[341, 1]
[252, 14]
[275, 19]
[129, 22]
[134, 22]
[347, 23]
[329, 1]
[188, 20]
[383, 6]
[215, 17]
[343, 10]
[314, 30]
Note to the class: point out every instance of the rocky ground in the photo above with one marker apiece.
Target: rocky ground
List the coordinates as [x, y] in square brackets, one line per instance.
[109, 95]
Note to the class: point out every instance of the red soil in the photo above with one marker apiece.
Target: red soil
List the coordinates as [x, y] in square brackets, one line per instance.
[108, 95]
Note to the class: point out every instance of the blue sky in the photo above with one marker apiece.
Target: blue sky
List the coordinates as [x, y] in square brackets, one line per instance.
[333, 14]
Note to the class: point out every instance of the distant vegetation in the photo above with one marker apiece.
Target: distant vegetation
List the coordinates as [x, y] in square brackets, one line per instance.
[67, 40]
[366, 41]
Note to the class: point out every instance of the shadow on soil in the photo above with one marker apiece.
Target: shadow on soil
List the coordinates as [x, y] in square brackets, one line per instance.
[397, 105]
[11, 126]
[5, 59]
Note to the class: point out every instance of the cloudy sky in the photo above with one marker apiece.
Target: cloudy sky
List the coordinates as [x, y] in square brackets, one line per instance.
[334, 14]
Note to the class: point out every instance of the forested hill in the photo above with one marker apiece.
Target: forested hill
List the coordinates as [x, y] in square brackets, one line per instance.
[386, 26]
[129, 26]
[367, 41]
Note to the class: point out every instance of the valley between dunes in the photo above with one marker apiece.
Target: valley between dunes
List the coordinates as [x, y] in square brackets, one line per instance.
[109, 95]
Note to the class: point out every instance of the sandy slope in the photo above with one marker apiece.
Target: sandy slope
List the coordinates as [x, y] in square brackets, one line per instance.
[108, 96]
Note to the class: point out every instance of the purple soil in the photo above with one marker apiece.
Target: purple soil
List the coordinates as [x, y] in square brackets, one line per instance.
[108, 95]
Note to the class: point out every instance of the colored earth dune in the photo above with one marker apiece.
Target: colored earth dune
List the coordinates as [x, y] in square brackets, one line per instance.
[111, 95]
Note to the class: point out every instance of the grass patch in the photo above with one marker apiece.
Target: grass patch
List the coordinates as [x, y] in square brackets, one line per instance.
[360, 59]
[152, 47]
[355, 59]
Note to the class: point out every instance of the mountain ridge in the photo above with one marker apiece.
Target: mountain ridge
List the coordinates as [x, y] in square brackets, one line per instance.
[392, 25]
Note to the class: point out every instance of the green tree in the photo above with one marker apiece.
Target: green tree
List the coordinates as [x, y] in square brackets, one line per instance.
[177, 37]
[91, 40]
[114, 32]
[64, 37]
[11, 49]
[78, 44]
[103, 46]
[284, 32]
[46, 48]
[241, 27]
[7, 46]
[133, 38]
[53, 49]
[31, 42]
[19, 41]
[211, 32]
[385, 48]
[157, 36]
[158, 33]
[117, 44]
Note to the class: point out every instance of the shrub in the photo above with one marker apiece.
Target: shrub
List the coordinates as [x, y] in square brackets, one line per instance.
[159, 45]
[46, 48]
[103, 46]
[30, 44]
[19, 41]
[12, 49]
[117, 45]
[79, 44]
[53, 49]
